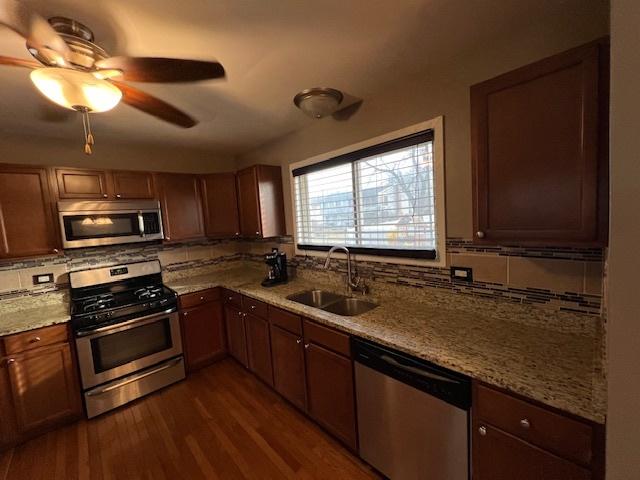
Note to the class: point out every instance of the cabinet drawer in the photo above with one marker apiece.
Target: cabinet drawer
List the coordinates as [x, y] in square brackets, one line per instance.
[561, 435]
[285, 320]
[232, 298]
[255, 307]
[41, 337]
[198, 298]
[331, 339]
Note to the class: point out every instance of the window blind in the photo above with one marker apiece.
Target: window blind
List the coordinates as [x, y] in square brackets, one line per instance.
[379, 200]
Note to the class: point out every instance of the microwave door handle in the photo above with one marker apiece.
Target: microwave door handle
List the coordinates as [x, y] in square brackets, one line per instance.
[141, 223]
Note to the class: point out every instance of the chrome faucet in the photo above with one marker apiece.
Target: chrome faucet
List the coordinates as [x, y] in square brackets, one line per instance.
[354, 282]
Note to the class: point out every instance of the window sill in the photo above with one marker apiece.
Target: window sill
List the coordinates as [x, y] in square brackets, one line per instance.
[440, 261]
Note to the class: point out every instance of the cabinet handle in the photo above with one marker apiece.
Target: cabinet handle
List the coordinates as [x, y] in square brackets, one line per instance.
[11, 361]
[299, 341]
[306, 345]
[524, 423]
[104, 195]
[480, 234]
[482, 431]
[118, 195]
[167, 238]
[35, 340]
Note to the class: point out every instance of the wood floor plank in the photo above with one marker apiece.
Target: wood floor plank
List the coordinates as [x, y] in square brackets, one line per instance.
[219, 424]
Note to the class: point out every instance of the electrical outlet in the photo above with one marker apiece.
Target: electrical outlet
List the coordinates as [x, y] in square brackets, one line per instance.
[464, 274]
[43, 278]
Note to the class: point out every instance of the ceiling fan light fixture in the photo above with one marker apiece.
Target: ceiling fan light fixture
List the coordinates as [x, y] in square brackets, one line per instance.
[76, 90]
[318, 102]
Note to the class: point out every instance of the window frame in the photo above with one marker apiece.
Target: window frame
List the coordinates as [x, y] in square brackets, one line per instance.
[410, 257]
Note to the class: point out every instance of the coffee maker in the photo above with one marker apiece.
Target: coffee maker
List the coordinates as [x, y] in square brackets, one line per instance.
[277, 273]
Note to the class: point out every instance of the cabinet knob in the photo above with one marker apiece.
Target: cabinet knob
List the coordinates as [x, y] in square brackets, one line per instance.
[306, 345]
[11, 361]
[480, 234]
[239, 314]
[230, 298]
[167, 238]
[185, 314]
[524, 423]
[104, 195]
[237, 234]
[118, 195]
[482, 431]
[257, 233]
[201, 298]
[35, 340]
[299, 341]
[55, 250]
[253, 307]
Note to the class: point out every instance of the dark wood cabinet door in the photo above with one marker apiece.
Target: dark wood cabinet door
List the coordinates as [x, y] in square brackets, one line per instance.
[236, 336]
[181, 207]
[81, 184]
[26, 213]
[220, 204]
[271, 200]
[288, 366]
[44, 387]
[133, 185]
[500, 456]
[203, 334]
[259, 347]
[8, 433]
[330, 392]
[248, 203]
[539, 151]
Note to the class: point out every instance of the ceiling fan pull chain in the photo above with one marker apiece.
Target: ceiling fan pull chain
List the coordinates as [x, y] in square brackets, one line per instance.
[87, 131]
[89, 134]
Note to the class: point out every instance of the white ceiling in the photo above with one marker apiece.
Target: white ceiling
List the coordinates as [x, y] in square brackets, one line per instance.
[271, 49]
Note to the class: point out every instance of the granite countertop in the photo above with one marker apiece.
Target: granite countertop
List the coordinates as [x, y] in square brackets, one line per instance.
[27, 313]
[560, 366]
[551, 357]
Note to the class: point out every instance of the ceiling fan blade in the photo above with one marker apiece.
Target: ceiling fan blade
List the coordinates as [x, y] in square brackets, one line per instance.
[154, 106]
[151, 69]
[18, 62]
[34, 28]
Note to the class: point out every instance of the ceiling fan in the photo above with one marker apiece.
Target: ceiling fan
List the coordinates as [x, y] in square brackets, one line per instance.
[74, 72]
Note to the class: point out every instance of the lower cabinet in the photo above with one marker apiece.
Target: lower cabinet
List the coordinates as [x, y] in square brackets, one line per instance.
[259, 347]
[330, 392]
[500, 456]
[203, 334]
[288, 365]
[236, 336]
[39, 390]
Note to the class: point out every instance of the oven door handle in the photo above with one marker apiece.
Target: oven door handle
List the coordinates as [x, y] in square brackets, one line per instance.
[141, 223]
[133, 378]
[123, 326]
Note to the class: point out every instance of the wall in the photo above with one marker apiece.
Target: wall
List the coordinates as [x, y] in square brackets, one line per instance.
[623, 431]
[107, 154]
[557, 278]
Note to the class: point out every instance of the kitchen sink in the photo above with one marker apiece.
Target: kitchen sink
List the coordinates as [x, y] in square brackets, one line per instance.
[332, 302]
[349, 307]
[315, 298]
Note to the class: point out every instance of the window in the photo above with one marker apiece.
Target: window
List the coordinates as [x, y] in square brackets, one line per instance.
[377, 200]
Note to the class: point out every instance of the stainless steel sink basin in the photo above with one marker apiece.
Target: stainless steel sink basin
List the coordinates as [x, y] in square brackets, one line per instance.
[349, 307]
[315, 298]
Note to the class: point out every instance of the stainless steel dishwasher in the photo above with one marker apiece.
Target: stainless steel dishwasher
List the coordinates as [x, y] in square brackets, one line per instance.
[413, 416]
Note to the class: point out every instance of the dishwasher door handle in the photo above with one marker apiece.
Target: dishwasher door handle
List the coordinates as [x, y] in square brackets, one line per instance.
[416, 371]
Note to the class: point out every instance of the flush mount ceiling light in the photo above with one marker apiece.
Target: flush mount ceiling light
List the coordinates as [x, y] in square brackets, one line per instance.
[76, 73]
[318, 102]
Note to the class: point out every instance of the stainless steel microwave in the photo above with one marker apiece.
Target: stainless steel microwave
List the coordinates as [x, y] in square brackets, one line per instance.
[91, 224]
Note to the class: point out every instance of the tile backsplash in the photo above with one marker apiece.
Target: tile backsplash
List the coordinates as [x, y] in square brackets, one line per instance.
[568, 279]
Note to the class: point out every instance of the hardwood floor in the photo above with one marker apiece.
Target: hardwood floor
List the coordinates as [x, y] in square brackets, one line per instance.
[221, 423]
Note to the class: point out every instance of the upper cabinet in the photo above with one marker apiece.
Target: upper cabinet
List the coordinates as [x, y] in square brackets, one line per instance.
[220, 205]
[260, 201]
[181, 206]
[81, 184]
[132, 185]
[26, 214]
[539, 148]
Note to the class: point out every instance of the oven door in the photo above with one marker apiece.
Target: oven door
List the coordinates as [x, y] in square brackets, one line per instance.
[115, 351]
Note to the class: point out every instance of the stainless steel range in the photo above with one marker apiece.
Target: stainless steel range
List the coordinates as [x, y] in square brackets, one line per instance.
[127, 333]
